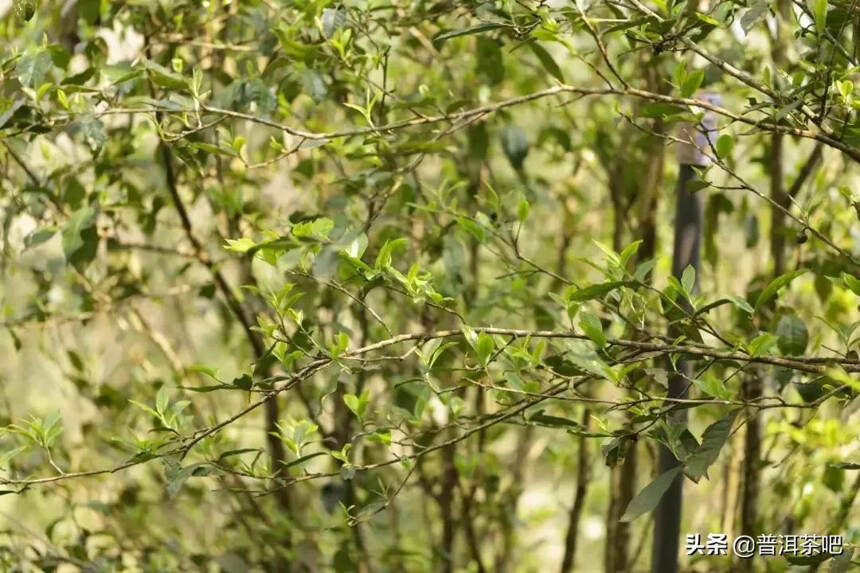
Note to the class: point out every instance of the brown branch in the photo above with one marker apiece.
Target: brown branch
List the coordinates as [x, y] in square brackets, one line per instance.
[583, 471]
[823, 136]
[806, 170]
[816, 365]
[275, 445]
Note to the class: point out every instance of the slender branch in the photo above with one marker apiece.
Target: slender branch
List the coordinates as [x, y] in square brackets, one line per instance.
[766, 124]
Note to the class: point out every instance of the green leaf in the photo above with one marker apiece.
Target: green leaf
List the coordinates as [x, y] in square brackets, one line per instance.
[80, 237]
[695, 184]
[660, 109]
[33, 67]
[742, 304]
[243, 382]
[692, 82]
[237, 452]
[792, 335]
[523, 210]
[625, 255]
[597, 290]
[755, 13]
[91, 131]
[771, 289]
[351, 401]
[240, 245]
[760, 345]
[478, 29]
[206, 389]
[845, 465]
[688, 279]
[75, 359]
[819, 13]
[176, 475]
[647, 499]
[302, 459]
[842, 562]
[165, 78]
[592, 328]
[713, 386]
[39, 236]
[515, 144]
[332, 20]
[319, 228]
[553, 421]
[725, 144]
[202, 369]
[472, 228]
[383, 259]
[814, 559]
[852, 283]
[546, 60]
[489, 60]
[613, 452]
[162, 399]
[680, 72]
[809, 391]
[484, 347]
[846, 89]
[833, 478]
[712, 442]
[357, 404]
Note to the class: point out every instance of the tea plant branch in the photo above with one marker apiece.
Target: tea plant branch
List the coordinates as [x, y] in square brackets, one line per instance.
[766, 123]
[806, 171]
[276, 447]
[600, 45]
[810, 364]
[22, 164]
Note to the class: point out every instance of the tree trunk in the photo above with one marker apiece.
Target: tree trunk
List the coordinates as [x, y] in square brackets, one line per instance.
[667, 516]
[583, 471]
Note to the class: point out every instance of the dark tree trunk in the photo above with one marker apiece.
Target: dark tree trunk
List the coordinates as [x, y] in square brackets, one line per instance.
[583, 471]
[667, 516]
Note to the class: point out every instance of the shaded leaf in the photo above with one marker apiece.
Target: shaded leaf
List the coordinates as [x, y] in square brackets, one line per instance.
[515, 144]
[647, 499]
[841, 563]
[845, 465]
[33, 67]
[546, 60]
[484, 347]
[773, 287]
[163, 77]
[332, 20]
[792, 335]
[712, 442]
[302, 459]
[724, 146]
[597, 290]
[692, 82]
[490, 61]
[755, 13]
[819, 13]
[554, 421]
[80, 237]
[592, 328]
[39, 236]
[852, 282]
[807, 559]
[478, 29]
